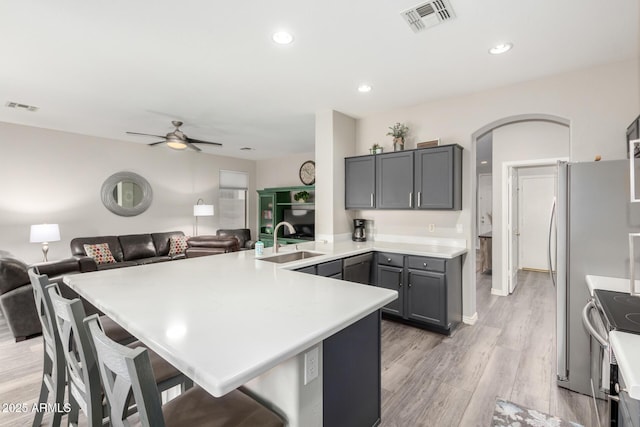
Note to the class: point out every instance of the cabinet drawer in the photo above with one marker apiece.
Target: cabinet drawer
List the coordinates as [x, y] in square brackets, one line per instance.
[424, 263]
[330, 268]
[395, 260]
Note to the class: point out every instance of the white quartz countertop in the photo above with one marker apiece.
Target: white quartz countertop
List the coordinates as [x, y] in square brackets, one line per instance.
[226, 319]
[626, 347]
[609, 283]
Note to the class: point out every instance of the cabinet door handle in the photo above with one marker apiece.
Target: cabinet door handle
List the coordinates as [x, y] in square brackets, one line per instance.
[371, 200]
[419, 193]
[424, 263]
[388, 259]
[409, 285]
[410, 199]
[399, 285]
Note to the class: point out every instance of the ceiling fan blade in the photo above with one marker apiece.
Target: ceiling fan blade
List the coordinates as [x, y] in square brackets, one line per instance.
[190, 145]
[156, 143]
[146, 134]
[198, 141]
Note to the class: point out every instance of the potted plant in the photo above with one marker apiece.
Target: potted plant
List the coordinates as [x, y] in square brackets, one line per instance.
[398, 131]
[375, 149]
[302, 196]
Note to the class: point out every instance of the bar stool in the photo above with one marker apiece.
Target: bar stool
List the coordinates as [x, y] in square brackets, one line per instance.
[83, 378]
[53, 372]
[127, 372]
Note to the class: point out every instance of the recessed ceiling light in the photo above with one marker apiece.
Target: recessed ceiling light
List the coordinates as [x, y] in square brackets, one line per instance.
[282, 37]
[484, 162]
[364, 88]
[500, 48]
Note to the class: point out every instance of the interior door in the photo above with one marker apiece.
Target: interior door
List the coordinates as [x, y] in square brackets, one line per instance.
[512, 229]
[536, 198]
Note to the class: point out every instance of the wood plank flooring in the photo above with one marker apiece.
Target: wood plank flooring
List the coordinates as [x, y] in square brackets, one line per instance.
[427, 379]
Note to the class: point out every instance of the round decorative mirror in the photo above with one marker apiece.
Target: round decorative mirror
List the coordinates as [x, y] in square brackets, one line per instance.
[126, 194]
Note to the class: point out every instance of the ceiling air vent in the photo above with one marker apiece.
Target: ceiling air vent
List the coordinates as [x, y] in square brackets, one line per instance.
[428, 14]
[20, 106]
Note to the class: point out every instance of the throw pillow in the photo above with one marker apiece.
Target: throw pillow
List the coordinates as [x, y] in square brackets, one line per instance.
[100, 252]
[177, 245]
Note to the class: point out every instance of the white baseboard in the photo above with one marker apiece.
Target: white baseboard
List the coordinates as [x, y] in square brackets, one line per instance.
[470, 320]
[499, 292]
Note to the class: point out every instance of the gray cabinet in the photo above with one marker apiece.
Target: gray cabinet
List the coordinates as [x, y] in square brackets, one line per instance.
[394, 180]
[391, 278]
[429, 289]
[427, 178]
[438, 177]
[360, 182]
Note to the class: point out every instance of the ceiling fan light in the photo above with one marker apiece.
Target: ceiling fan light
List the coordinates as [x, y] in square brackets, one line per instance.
[176, 144]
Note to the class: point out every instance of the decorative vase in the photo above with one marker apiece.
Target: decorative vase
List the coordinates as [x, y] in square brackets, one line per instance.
[398, 143]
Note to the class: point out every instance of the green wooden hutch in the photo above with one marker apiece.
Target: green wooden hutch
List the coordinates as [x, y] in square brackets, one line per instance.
[271, 205]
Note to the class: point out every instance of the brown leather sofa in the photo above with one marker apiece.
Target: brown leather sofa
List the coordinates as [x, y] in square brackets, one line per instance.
[16, 293]
[139, 249]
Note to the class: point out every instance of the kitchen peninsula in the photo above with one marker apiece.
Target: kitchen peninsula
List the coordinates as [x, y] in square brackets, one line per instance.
[235, 320]
[225, 320]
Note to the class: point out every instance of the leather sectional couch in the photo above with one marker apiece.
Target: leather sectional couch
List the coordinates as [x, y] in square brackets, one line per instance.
[138, 249]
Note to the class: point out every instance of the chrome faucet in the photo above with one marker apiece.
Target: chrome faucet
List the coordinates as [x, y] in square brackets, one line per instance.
[275, 234]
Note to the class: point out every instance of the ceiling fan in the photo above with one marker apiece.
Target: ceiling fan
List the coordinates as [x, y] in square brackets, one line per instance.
[177, 139]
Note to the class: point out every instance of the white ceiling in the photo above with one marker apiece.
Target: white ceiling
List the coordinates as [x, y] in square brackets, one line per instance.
[104, 68]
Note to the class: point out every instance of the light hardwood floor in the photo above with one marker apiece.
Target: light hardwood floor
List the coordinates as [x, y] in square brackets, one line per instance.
[427, 379]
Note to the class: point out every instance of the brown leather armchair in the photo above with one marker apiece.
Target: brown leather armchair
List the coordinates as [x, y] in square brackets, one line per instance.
[16, 293]
[242, 234]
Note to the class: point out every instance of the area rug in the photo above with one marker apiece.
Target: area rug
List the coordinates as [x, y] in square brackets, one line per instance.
[509, 414]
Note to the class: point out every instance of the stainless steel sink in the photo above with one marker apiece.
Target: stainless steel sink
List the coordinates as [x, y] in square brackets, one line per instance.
[291, 256]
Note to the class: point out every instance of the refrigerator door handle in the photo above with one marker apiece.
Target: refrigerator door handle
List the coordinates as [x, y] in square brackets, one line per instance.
[549, 259]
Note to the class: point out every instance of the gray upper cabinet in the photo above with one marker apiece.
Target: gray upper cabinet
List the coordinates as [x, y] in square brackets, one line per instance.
[427, 178]
[394, 180]
[360, 182]
[438, 177]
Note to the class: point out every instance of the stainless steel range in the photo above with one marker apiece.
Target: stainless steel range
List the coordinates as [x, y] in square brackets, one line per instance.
[620, 312]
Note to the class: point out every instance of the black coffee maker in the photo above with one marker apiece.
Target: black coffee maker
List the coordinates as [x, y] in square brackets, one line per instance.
[358, 231]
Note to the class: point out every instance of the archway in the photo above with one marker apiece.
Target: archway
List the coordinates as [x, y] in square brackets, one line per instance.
[473, 187]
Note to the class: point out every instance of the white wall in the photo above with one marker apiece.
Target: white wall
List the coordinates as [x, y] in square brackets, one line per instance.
[55, 177]
[335, 140]
[599, 102]
[280, 171]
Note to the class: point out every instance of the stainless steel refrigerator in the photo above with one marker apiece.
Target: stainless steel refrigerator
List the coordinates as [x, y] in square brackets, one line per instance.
[594, 218]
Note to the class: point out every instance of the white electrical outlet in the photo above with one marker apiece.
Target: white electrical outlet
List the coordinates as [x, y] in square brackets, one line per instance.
[432, 228]
[311, 363]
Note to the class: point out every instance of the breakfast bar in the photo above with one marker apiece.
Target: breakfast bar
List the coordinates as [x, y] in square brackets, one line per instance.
[234, 320]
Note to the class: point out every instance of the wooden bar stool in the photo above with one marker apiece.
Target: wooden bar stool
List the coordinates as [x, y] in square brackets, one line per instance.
[127, 373]
[83, 378]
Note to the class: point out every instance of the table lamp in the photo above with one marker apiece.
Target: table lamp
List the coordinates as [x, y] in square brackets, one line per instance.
[200, 209]
[45, 233]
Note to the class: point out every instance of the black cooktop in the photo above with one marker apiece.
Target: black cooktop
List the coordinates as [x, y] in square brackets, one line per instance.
[621, 310]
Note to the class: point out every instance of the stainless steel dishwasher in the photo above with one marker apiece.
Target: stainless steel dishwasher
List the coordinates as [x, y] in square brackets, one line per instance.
[358, 268]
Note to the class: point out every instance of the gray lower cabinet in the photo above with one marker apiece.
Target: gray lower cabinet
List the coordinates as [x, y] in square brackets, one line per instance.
[429, 289]
[391, 278]
[360, 182]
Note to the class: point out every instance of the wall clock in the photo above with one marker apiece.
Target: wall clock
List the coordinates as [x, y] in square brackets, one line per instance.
[308, 172]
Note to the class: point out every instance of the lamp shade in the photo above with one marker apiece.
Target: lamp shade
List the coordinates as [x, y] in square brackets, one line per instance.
[202, 210]
[44, 233]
